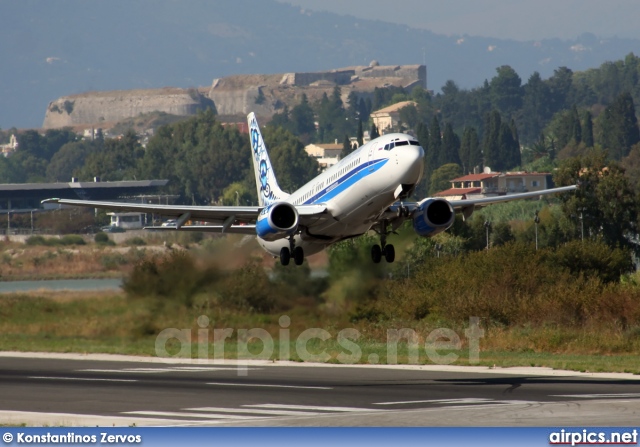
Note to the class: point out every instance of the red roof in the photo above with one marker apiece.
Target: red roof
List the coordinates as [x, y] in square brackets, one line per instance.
[476, 177]
[523, 173]
[458, 192]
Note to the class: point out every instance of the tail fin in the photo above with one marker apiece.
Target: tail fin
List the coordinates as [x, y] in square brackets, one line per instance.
[266, 183]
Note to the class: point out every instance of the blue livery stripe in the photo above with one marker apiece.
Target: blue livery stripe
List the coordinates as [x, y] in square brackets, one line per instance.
[347, 180]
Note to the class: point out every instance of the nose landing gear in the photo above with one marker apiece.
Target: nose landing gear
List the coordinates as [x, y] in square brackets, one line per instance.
[384, 249]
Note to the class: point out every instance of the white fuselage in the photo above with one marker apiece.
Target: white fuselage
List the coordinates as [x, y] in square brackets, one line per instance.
[356, 191]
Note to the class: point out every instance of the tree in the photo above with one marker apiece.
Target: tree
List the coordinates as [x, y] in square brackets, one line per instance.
[535, 107]
[70, 159]
[441, 177]
[620, 127]
[560, 89]
[450, 150]
[360, 135]
[506, 91]
[116, 161]
[604, 204]
[422, 133]
[491, 140]
[435, 143]
[374, 132]
[587, 130]
[346, 147]
[470, 154]
[292, 165]
[301, 117]
[576, 127]
[409, 116]
[199, 157]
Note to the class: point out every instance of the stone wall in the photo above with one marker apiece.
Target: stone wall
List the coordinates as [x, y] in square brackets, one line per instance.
[232, 95]
[411, 73]
[241, 101]
[94, 108]
[340, 77]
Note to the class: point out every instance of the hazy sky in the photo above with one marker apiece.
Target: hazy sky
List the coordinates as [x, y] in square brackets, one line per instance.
[512, 19]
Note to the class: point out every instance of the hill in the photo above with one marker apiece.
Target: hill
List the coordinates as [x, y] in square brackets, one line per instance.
[67, 47]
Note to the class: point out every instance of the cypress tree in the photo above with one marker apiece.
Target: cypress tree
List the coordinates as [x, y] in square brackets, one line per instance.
[360, 136]
[490, 143]
[374, 132]
[346, 147]
[516, 158]
[576, 128]
[470, 154]
[435, 142]
[422, 133]
[449, 152]
[587, 130]
[620, 127]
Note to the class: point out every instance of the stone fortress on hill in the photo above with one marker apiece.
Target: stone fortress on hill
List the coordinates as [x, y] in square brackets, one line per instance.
[233, 96]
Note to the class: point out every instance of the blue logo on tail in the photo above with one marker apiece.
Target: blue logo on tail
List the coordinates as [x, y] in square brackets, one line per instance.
[261, 159]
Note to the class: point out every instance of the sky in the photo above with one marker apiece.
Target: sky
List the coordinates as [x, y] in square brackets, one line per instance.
[506, 19]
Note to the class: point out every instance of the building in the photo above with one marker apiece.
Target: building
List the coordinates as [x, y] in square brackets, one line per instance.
[389, 117]
[27, 197]
[8, 149]
[326, 155]
[496, 183]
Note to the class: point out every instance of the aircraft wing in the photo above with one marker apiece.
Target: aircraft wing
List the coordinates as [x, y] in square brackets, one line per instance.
[228, 216]
[248, 229]
[462, 204]
[399, 211]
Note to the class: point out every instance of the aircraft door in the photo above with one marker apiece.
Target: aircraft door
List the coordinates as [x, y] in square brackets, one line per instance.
[370, 156]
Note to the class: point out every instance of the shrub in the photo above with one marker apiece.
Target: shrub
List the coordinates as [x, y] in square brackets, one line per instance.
[514, 284]
[136, 241]
[101, 238]
[72, 239]
[35, 240]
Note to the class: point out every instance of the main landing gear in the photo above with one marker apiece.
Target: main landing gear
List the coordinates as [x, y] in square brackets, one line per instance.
[286, 253]
[384, 249]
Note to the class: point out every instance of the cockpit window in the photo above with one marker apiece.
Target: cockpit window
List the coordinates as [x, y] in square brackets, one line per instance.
[414, 143]
[402, 143]
[388, 147]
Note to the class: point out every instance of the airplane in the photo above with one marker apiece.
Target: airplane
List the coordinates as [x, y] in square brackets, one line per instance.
[368, 189]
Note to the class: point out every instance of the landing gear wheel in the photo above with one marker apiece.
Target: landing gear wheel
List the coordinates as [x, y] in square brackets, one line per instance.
[298, 255]
[285, 256]
[389, 253]
[376, 254]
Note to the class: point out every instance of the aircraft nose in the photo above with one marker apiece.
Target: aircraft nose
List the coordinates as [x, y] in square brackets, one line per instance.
[412, 160]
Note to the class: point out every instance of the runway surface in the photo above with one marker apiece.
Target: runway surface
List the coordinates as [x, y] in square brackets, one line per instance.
[102, 390]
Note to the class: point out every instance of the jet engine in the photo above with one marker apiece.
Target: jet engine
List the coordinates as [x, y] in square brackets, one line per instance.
[433, 216]
[277, 221]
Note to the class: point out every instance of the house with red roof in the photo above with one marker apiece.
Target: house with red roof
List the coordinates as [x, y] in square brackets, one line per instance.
[490, 184]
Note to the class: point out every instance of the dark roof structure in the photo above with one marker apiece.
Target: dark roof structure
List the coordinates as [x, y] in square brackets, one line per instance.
[18, 197]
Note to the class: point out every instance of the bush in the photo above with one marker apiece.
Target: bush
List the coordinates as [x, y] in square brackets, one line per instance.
[101, 238]
[136, 241]
[178, 279]
[516, 285]
[72, 239]
[36, 240]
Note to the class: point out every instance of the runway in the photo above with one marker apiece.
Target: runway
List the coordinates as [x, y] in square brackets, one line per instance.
[74, 390]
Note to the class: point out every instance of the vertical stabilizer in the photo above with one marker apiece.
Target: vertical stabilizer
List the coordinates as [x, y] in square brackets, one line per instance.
[266, 183]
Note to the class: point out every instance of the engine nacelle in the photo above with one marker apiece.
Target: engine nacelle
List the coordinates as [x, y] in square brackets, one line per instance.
[277, 221]
[432, 217]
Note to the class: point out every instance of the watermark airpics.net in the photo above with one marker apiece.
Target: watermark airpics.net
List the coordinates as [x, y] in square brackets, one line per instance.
[308, 344]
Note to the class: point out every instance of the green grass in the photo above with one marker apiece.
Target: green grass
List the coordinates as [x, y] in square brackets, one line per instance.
[109, 323]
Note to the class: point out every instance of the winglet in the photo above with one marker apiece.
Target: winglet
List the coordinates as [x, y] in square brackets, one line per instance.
[266, 183]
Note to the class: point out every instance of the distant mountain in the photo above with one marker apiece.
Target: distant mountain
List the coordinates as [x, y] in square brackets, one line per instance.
[51, 49]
